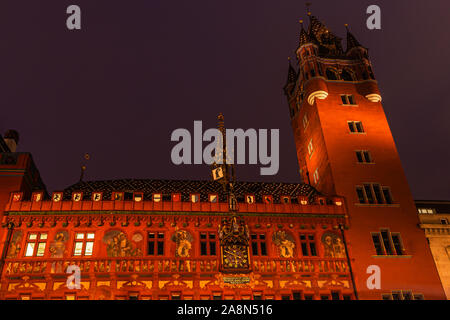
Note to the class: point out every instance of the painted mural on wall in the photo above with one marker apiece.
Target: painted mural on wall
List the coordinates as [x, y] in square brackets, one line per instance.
[15, 245]
[333, 245]
[118, 244]
[58, 245]
[183, 241]
[285, 243]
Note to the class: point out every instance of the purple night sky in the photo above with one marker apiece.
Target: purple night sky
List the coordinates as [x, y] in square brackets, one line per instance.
[140, 69]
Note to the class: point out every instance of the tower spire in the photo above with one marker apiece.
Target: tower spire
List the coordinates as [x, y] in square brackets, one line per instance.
[308, 4]
[303, 35]
[351, 40]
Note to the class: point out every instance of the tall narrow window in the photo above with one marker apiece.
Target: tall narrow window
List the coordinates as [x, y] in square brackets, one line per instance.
[377, 192]
[369, 195]
[351, 99]
[363, 156]
[207, 244]
[296, 295]
[386, 242]
[310, 147]
[84, 244]
[377, 244]
[160, 243]
[316, 176]
[360, 193]
[346, 76]
[155, 244]
[36, 243]
[308, 244]
[373, 193]
[396, 240]
[359, 156]
[331, 75]
[259, 247]
[355, 126]
[387, 195]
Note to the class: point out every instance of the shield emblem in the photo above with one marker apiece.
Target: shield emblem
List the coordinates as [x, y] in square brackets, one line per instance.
[157, 197]
[217, 173]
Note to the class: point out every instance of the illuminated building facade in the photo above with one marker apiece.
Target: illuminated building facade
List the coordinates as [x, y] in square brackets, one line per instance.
[174, 239]
[345, 146]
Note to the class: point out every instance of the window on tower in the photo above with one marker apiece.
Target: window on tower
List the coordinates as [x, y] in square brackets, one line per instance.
[374, 193]
[363, 156]
[308, 245]
[258, 242]
[84, 244]
[387, 243]
[387, 195]
[346, 75]
[305, 121]
[316, 176]
[348, 99]
[208, 244]
[36, 243]
[310, 148]
[155, 244]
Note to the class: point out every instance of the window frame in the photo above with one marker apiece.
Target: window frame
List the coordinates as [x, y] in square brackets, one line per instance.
[208, 242]
[259, 243]
[156, 243]
[308, 244]
[37, 242]
[353, 127]
[84, 241]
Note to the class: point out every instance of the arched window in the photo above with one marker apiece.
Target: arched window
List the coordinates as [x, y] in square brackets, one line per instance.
[346, 76]
[320, 70]
[331, 75]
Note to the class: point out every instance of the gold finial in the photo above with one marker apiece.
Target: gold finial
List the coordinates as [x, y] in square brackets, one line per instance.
[301, 21]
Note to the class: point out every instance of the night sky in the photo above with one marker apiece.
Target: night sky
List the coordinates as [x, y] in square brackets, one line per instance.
[137, 70]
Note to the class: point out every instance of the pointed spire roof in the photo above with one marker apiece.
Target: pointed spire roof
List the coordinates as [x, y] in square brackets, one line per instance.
[315, 26]
[303, 36]
[351, 40]
[292, 74]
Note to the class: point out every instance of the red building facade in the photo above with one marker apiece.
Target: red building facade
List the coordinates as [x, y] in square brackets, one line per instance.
[173, 239]
[156, 239]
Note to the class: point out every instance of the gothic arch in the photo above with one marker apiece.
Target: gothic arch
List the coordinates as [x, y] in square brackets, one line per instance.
[347, 75]
[331, 74]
